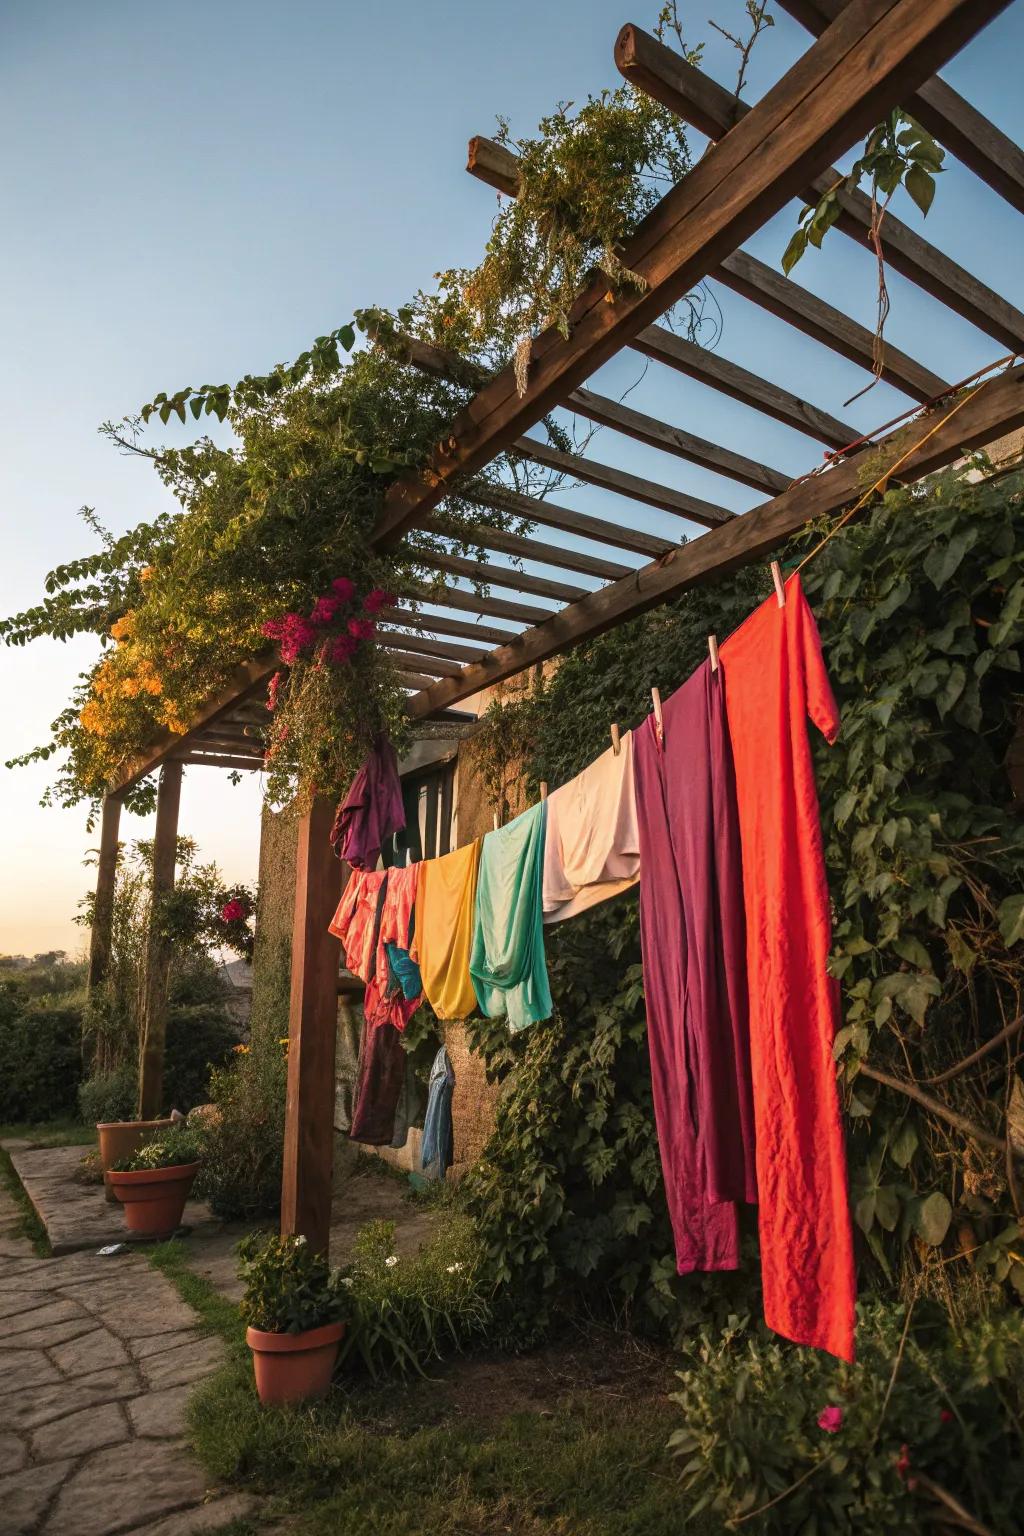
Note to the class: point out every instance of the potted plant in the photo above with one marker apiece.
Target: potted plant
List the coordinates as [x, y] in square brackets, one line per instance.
[153, 1184]
[295, 1308]
[120, 1139]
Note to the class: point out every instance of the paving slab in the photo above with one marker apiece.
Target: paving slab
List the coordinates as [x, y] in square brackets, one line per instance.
[77, 1433]
[176, 1367]
[24, 1496]
[212, 1516]
[125, 1486]
[159, 1415]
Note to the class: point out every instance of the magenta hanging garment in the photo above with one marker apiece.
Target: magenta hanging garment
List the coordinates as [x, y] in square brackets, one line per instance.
[694, 959]
[372, 811]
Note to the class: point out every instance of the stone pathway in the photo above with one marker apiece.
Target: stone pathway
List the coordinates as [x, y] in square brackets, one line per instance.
[97, 1357]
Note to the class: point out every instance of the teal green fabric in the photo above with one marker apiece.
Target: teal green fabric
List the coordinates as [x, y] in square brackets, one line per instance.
[507, 963]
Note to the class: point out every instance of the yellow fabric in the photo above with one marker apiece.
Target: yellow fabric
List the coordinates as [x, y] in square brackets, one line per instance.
[445, 911]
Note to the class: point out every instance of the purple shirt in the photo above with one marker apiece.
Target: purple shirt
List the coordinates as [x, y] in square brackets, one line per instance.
[694, 956]
[372, 811]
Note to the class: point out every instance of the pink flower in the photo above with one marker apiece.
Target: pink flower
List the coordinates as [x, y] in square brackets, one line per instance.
[830, 1419]
[374, 601]
[362, 629]
[344, 588]
[272, 691]
[298, 634]
[903, 1462]
[945, 1416]
[324, 610]
[342, 649]
[273, 629]
[233, 911]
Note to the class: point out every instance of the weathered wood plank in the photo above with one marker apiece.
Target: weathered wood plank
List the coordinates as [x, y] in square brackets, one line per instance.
[156, 965]
[962, 129]
[421, 661]
[700, 101]
[103, 901]
[540, 510]
[487, 607]
[247, 764]
[486, 537]
[636, 487]
[873, 55]
[312, 1034]
[492, 574]
[996, 409]
[440, 624]
[432, 647]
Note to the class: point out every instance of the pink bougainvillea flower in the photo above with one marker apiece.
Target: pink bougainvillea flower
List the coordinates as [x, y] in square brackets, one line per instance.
[342, 649]
[272, 690]
[903, 1462]
[298, 635]
[344, 589]
[362, 629]
[374, 601]
[946, 1416]
[273, 629]
[830, 1419]
[234, 911]
[324, 610]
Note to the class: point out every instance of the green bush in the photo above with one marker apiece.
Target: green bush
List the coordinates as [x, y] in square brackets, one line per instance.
[40, 1057]
[243, 1143]
[288, 1287]
[109, 1095]
[799, 1442]
[200, 1039]
[409, 1310]
[176, 1148]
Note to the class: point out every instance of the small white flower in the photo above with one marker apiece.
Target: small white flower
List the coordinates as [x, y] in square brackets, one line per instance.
[300, 1241]
[453, 1269]
[347, 1280]
[391, 1261]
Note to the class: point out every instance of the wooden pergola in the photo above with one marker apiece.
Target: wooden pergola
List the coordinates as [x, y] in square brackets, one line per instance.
[869, 56]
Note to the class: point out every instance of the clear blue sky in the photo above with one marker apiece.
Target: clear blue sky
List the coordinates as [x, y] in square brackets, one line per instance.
[194, 192]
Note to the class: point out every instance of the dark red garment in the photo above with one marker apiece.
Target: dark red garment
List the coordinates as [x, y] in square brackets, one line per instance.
[692, 938]
[378, 1084]
[774, 679]
[372, 811]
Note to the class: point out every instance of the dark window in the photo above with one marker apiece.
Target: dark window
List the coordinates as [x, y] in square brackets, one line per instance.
[429, 799]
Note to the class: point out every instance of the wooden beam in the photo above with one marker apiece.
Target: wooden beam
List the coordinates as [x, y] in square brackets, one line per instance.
[664, 346]
[430, 666]
[490, 574]
[238, 764]
[685, 445]
[762, 285]
[103, 901]
[995, 409]
[493, 163]
[870, 57]
[489, 607]
[700, 101]
[636, 487]
[245, 680]
[156, 964]
[961, 128]
[540, 510]
[415, 681]
[442, 625]
[433, 647]
[312, 1034]
[485, 536]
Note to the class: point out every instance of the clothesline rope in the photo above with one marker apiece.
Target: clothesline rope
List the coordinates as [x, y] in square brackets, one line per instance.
[984, 375]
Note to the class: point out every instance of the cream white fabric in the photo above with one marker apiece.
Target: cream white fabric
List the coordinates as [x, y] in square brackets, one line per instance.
[592, 850]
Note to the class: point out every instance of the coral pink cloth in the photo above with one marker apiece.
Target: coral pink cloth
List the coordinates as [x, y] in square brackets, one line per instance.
[775, 679]
[355, 921]
[385, 1002]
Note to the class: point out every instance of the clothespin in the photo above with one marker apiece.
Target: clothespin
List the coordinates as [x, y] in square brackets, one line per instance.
[543, 789]
[713, 651]
[780, 591]
[616, 740]
[495, 821]
[658, 717]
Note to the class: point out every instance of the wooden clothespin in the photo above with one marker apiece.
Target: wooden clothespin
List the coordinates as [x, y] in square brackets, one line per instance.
[543, 789]
[616, 740]
[780, 590]
[495, 821]
[713, 651]
[659, 720]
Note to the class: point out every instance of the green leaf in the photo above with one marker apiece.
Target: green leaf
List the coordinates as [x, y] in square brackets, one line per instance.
[932, 1218]
[887, 1207]
[921, 185]
[1011, 919]
[904, 1144]
[943, 560]
[794, 250]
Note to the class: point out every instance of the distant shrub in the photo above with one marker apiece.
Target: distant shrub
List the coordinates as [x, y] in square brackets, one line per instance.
[243, 1145]
[200, 1039]
[40, 1057]
[109, 1096]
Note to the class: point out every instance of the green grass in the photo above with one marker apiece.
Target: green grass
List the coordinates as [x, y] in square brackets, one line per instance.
[28, 1224]
[51, 1133]
[216, 1314]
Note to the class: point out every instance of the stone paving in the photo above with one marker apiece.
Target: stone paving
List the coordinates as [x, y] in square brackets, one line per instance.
[97, 1358]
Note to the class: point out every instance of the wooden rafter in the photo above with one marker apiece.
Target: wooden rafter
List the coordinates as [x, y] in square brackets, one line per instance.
[961, 128]
[697, 98]
[440, 624]
[540, 510]
[996, 409]
[759, 284]
[484, 536]
[493, 574]
[635, 487]
[432, 647]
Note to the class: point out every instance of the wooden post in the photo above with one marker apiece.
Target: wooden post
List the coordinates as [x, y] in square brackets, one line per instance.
[312, 1035]
[103, 905]
[158, 952]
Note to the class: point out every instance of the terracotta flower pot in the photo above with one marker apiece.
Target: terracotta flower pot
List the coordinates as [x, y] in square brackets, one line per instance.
[291, 1367]
[121, 1139]
[154, 1198]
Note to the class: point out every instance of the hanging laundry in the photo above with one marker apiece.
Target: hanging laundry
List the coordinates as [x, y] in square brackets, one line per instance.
[591, 849]
[507, 964]
[357, 920]
[395, 991]
[379, 1084]
[436, 1150]
[774, 680]
[443, 937]
[372, 811]
[692, 942]
[408, 1107]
